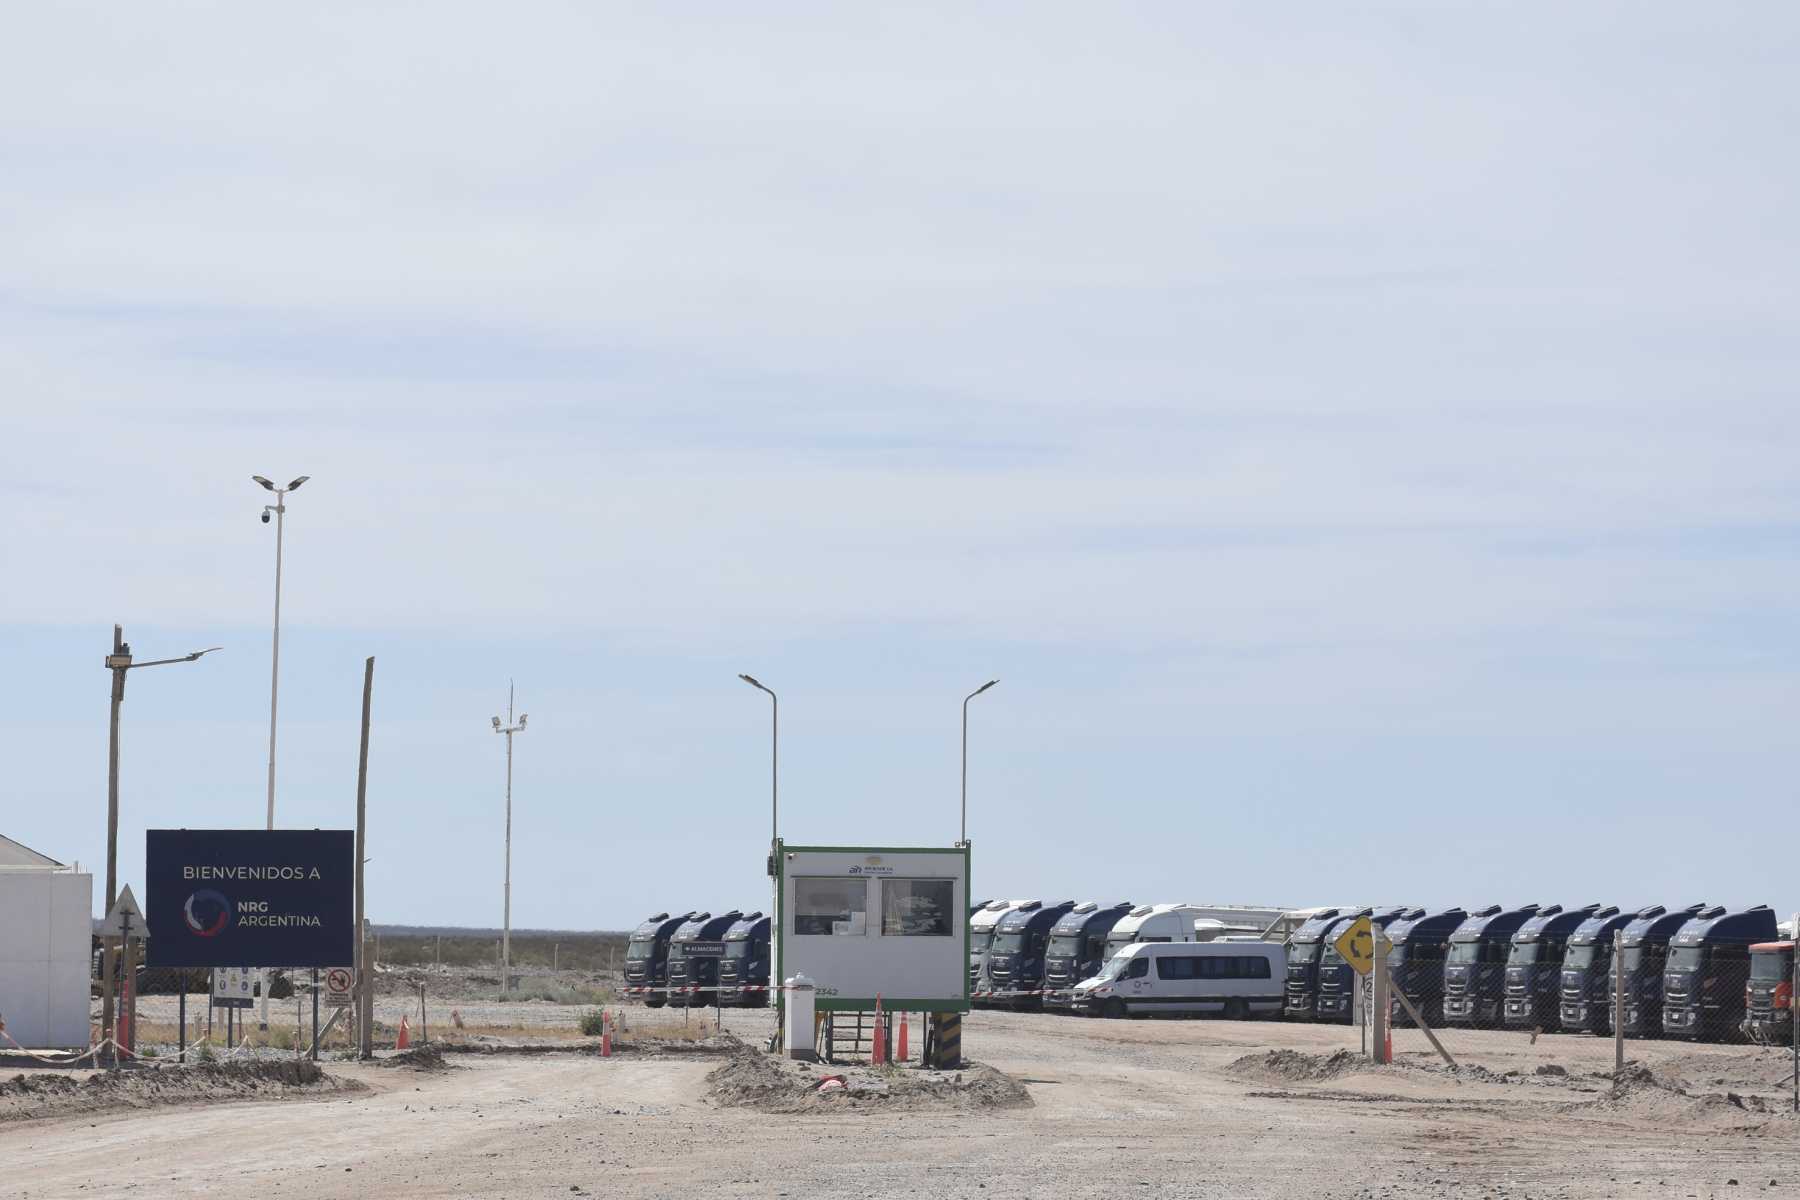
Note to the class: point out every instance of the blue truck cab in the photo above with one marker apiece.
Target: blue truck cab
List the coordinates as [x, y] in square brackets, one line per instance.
[744, 971]
[1475, 965]
[1584, 995]
[1077, 950]
[1416, 963]
[1015, 960]
[1304, 949]
[1337, 978]
[1644, 945]
[647, 957]
[1534, 965]
[1708, 970]
[694, 978]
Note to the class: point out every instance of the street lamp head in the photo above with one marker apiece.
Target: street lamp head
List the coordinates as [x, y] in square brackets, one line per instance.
[496, 724]
[984, 687]
[295, 486]
[522, 717]
[754, 682]
[266, 483]
[198, 653]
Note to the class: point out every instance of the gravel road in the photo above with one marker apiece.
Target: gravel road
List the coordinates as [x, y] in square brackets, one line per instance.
[1131, 1108]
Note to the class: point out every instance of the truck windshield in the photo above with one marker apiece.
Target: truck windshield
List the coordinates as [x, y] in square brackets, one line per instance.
[640, 948]
[1634, 957]
[1066, 945]
[739, 949]
[1463, 953]
[1524, 953]
[1685, 958]
[1303, 952]
[1008, 943]
[1581, 957]
[1770, 966]
[1331, 958]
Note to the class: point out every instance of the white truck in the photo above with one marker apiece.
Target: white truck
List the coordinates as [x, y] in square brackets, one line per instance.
[1189, 923]
[981, 935]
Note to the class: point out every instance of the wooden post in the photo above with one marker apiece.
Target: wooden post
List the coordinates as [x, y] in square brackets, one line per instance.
[365, 987]
[1379, 1010]
[1618, 1007]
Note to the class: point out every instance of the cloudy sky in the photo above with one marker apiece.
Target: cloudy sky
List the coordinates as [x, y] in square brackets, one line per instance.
[1362, 441]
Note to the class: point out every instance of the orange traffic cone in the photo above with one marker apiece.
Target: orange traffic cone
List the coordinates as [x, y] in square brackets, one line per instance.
[405, 1038]
[878, 1051]
[1389, 1056]
[903, 1055]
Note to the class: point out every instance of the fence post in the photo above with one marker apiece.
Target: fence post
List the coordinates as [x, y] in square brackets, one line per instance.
[181, 1009]
[1618, 1007]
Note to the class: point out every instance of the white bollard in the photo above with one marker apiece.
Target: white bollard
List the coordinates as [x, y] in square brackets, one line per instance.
[800, 1037]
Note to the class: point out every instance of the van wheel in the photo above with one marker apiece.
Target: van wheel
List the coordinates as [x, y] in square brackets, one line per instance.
[1236, 1010]
[1113, 1009]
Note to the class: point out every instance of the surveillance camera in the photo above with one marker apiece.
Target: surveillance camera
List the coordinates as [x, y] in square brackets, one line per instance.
[265, 518]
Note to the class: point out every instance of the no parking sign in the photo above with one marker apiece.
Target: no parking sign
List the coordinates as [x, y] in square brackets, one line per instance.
[340, 982]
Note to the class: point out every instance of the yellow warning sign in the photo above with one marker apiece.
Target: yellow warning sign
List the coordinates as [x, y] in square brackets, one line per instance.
[1360, 943]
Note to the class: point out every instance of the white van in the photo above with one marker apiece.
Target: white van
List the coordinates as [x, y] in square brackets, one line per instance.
[1237, 977]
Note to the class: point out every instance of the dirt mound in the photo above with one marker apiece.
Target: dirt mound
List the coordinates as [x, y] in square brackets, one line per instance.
[1639, 1091]
[43, 1094]
[1294, 1066]
[755, 1080]
[419, 1058]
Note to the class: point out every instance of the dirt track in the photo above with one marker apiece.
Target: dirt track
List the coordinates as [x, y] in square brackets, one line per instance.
[1118, 1108]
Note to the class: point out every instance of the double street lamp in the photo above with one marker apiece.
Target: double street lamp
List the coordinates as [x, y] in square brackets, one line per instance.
[279, 508]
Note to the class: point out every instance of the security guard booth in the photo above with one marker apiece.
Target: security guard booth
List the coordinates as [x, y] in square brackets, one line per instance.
[869, 922]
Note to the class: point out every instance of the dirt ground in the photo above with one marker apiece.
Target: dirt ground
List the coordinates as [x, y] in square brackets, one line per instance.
[1152, 1108]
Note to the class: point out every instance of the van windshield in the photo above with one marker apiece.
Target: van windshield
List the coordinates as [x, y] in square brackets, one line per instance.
[1114, 965]
[640, 948]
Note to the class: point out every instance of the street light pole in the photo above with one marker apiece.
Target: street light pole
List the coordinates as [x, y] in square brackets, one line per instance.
[775, 915]
[506, 931]
[965, 758]
[119, 662]
[774, 759]
[279, 508]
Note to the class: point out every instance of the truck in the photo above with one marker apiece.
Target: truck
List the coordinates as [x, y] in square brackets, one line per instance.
[1475, 965]
[1708, 970]
[1015, 958]
[647, 958]
[1584, 995]
[1534, 965]
[1077, 950]
[1769, 996]
[1416, 963]
[1644, 945]
[744, 971]
[981, 933]
[694, 975]
[1337, 978]
[1156, 923]
[1301, 987]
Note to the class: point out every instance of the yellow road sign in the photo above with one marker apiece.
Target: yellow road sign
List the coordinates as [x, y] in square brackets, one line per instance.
[1360, 943]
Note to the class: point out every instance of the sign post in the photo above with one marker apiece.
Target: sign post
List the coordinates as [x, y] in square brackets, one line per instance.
[125, 921]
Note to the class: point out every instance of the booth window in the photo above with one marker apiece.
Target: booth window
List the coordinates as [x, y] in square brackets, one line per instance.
[917, 907]
[830, 905]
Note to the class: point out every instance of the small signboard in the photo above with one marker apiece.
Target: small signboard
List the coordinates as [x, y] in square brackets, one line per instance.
[126, 919]
[340, 986]
[703, 949]
[1360, 943]
[233, 987]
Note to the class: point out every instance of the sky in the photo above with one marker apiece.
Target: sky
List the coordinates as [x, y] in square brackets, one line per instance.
[1362, 442]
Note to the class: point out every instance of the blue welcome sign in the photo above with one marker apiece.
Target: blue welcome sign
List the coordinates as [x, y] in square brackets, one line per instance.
[250, 897]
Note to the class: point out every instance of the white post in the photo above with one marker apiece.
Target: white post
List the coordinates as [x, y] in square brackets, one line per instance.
[1618, 1006]
[799, 1024]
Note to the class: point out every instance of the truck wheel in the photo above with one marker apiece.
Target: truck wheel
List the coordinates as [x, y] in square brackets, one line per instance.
[654, 1002]
[1236, 1010]
[1113, 1009]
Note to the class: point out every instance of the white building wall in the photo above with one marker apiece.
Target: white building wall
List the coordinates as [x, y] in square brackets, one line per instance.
[45, 935]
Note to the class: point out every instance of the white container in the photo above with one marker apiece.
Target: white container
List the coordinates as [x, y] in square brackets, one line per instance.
[45, 937]
[800, 1036]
